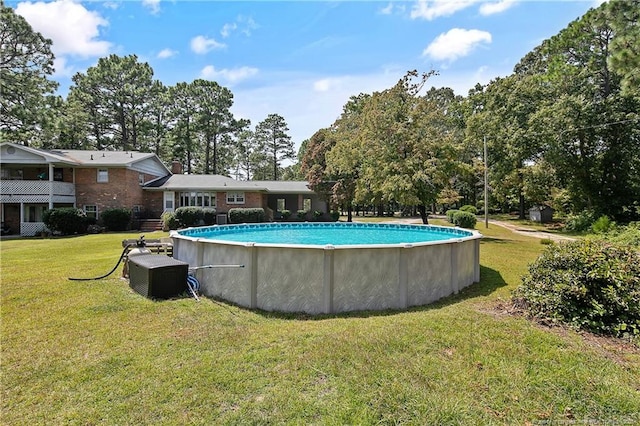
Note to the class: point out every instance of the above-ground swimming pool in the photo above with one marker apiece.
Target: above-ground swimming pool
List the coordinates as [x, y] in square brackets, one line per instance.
[330, 267]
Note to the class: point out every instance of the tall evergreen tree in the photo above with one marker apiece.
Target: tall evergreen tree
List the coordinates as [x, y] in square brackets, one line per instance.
[277, 144]
[26, 62]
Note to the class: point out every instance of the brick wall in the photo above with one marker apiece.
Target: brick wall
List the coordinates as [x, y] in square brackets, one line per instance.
[153, 204]
[122, 190]
[251, 200]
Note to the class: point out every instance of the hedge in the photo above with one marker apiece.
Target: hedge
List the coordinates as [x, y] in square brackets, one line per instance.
[245, 215]
[66, 220]
[189, 216]
[116, 219]
[592, 285]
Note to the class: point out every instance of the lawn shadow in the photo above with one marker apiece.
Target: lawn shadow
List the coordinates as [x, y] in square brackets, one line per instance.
[490, 281]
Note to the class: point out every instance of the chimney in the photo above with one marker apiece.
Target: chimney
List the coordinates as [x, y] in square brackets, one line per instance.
[176, 167]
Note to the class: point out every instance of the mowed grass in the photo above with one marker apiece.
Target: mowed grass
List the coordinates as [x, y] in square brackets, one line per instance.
[96, 353]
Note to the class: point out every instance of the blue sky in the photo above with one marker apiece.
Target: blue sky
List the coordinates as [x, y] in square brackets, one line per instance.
[301, 59]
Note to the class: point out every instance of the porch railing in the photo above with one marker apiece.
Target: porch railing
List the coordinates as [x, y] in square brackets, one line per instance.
[36, 191]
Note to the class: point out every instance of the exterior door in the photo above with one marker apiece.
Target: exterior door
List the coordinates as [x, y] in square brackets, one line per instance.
[169, 201]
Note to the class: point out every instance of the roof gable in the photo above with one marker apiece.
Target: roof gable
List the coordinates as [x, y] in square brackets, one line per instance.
[140, 161]
[15, 153]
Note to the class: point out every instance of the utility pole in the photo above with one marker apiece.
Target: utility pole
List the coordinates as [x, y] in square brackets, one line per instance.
[486, 190]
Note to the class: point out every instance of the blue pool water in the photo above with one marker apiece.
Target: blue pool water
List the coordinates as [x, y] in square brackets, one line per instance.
[337, 234]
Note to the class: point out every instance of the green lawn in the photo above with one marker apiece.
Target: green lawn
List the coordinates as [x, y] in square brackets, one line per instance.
[97, 353]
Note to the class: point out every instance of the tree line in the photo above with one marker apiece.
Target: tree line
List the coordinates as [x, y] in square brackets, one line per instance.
[562, 130]
[118, 105]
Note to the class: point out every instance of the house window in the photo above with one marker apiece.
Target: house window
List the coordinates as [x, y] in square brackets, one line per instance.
[235, 197]
[15, 174]
[198, 199]
[34, 213]
[57, 174]
[141, 178]
[103, 175]
[91, 211]
[281, 204]
[306, 204]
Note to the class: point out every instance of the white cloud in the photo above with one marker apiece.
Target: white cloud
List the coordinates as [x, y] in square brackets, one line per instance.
[322, 85]
[231, 76]
[387, 10]
[455, 44]
[487, 9]
[431, 9]
[243, 24]
[201, 44]
[73, 29]
[227, 29]
[61, 69]
[167, 53]
[152, 5]
[111, 5]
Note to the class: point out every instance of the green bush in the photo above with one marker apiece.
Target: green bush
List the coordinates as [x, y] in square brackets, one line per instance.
[464, 219]
[116, 219]
[627, 235]
[65, 220]
[335, 216]
[317, 215]
[286, 214]
[244, 215]
[169, 221]
[209, 216]
[190, 216]
[602, 225]
[302, 214]
[450, 214]
[469, 209]
[592, 285]
[581, 222]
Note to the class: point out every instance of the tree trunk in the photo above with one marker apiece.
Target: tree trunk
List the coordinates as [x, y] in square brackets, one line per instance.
[423, 214]
[349, 213]
[521, 214]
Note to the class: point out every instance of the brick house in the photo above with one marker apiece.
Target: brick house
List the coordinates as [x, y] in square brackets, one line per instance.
[224, 193]
[34, 180]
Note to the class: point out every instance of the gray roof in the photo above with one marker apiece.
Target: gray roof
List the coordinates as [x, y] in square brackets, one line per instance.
[141, 161]
[103, 158]
[285, 186]
[223, 183]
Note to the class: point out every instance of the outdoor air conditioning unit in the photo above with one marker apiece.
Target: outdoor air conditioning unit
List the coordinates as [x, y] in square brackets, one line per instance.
[158, 277]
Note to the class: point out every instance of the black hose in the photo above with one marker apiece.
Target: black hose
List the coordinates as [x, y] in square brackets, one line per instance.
[124, 252]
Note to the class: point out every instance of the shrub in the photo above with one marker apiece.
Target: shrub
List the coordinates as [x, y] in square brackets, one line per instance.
[189, 216]
[286, 214]
[469, 209]
[628, 235]
[302, 214]
[335, 216]
[169, 221]
[317, 215]
[209, 216]
[602, 225]
[464, 219]
[450, 214]
[591, 284]
[65, 220]
[116, 219]
[580, 222]
[244, 215]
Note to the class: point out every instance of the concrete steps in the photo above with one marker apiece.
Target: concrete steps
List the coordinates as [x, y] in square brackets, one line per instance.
[150, 225]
